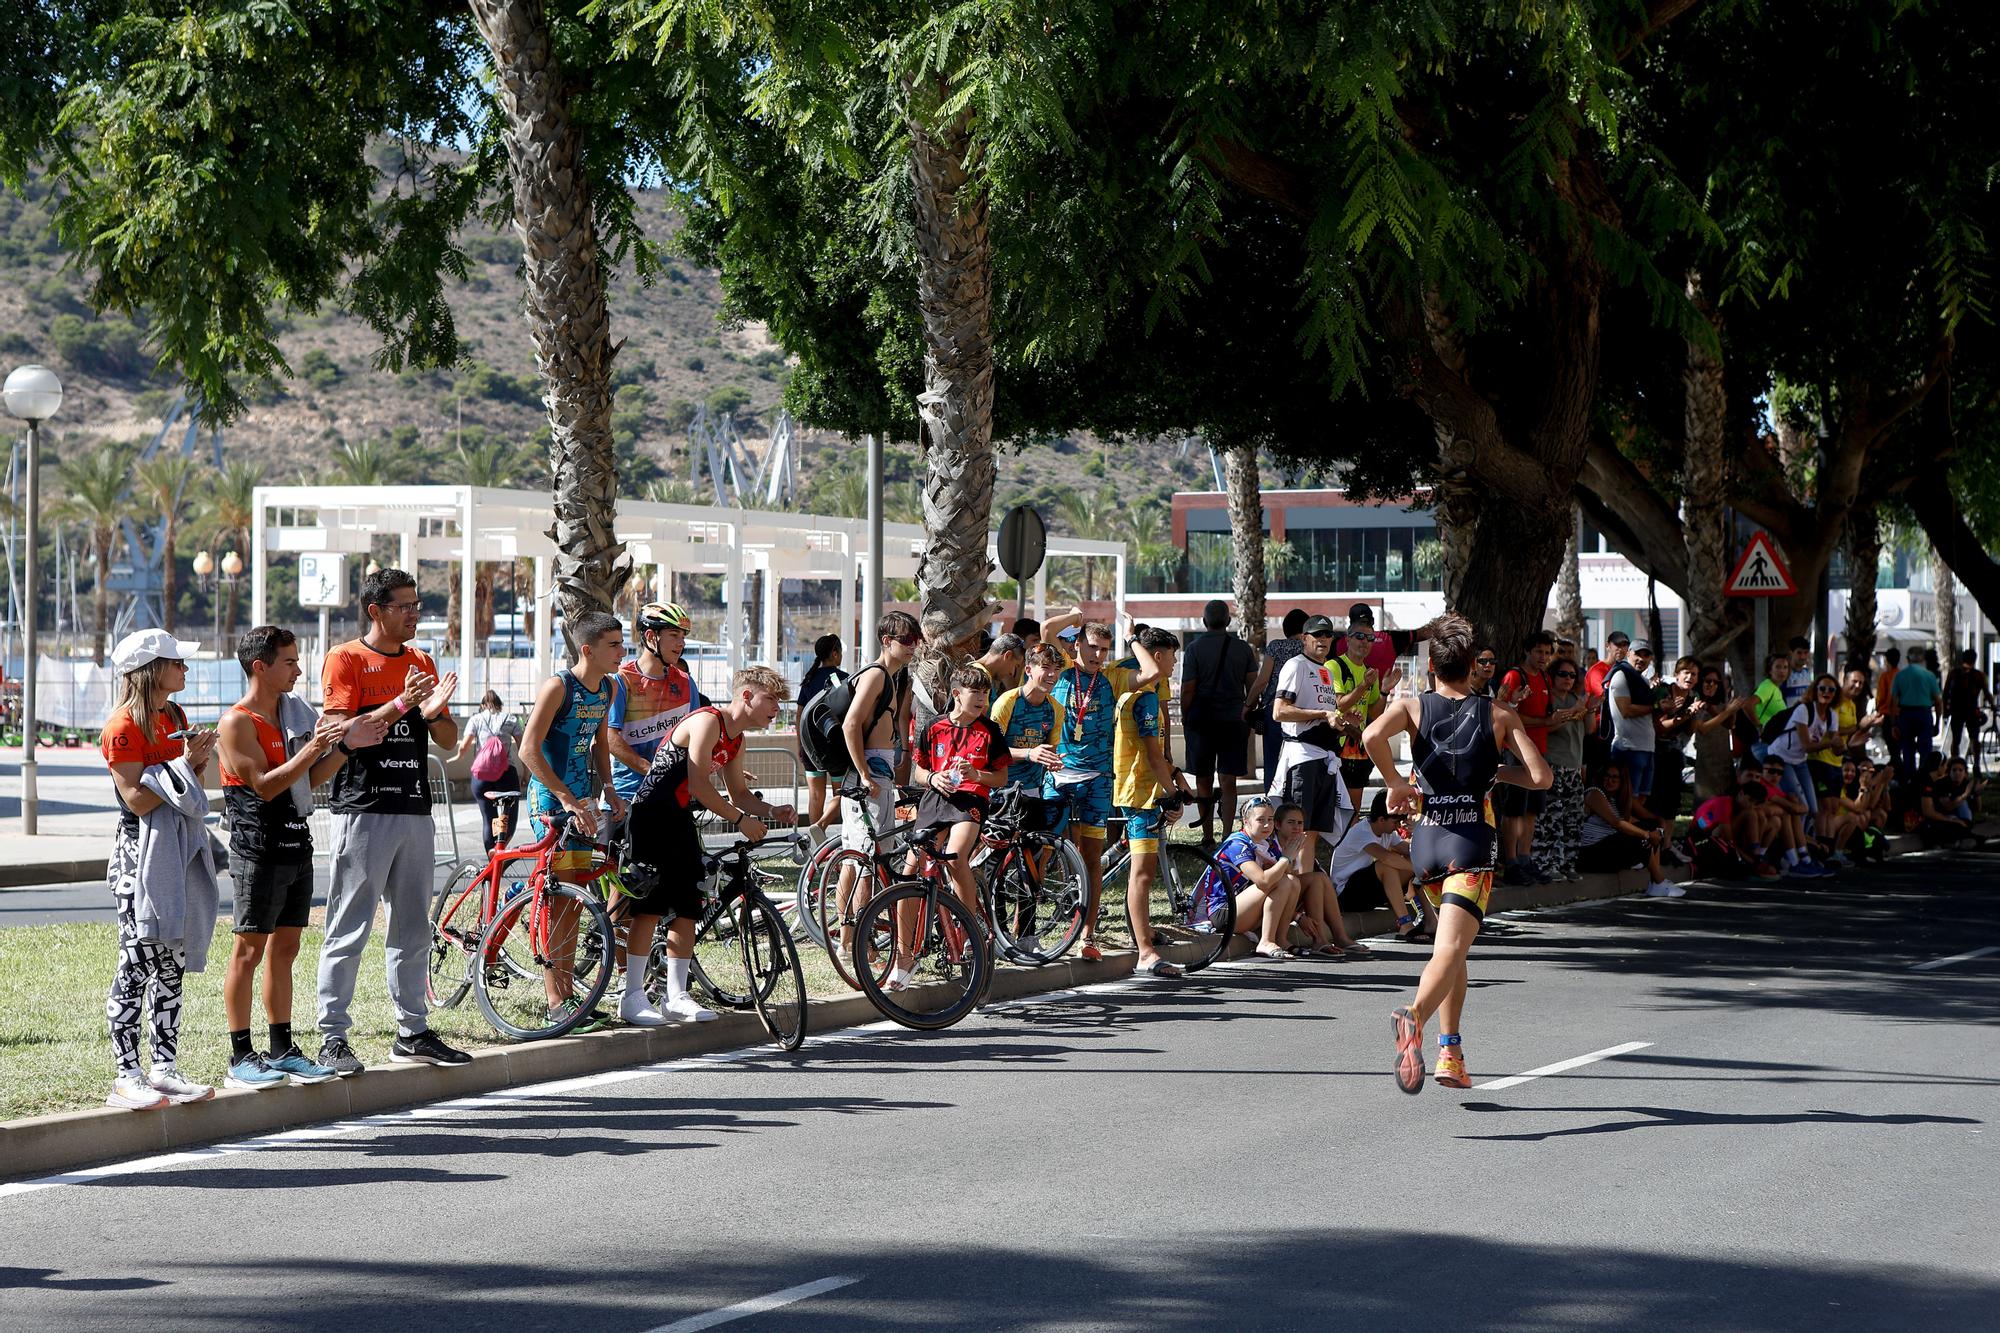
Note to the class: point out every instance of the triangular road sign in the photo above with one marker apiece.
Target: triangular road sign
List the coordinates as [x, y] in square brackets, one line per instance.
[1760, 571]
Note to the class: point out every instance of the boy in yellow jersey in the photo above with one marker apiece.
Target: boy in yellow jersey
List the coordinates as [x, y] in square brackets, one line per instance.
[1142, 776]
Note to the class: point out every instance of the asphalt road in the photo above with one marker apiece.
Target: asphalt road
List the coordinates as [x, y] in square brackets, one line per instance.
[1802, 1141]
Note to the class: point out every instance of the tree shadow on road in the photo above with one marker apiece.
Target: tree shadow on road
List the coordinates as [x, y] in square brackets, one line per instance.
[1672, 1117]
[1181, 1279]
[48, 1279]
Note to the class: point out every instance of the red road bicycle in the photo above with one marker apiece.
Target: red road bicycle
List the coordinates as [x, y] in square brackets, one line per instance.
[518, 939]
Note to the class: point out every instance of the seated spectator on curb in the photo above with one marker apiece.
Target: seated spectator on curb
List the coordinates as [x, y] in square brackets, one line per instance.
[1319, 902]
[1726, 834]
[1944, 800]
[1257, 873]
[1785, 819]
[1866, 784]
[1373, 857]
[1612, 842]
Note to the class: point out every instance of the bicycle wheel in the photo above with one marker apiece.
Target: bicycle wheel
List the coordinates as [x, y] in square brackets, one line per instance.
[717, 975]
[866, 881]
[455, 931]
[1191, 925]
[771, 966]
[554, 925]
[811, 891]
[1035, 893]
[953, 958]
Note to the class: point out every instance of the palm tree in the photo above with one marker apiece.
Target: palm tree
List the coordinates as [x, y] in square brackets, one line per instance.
[162, 481]
[1087, 516]
[563, 267]
[94, 495]
[365, 463]
[491, 463]
[675, 492]
[230, 516]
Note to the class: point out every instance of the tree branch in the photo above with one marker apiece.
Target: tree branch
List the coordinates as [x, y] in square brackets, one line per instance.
[1930, 499]
[1658, 15]
[1625, 504]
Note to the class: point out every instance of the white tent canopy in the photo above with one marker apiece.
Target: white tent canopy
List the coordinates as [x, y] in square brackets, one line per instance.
[432, 523]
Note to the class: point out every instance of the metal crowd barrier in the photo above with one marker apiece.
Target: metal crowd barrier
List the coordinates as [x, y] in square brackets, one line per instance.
[445, 837]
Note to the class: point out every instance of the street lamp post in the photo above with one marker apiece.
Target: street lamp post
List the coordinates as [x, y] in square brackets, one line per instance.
[34, 394]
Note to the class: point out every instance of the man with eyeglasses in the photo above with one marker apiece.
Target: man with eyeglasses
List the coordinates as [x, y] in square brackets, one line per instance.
[384, 838]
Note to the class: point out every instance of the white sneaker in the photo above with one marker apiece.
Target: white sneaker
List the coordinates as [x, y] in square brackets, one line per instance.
[1665, 890]
[169, 1084]
[637, 1009]
[130, 1092]
[686, 1010]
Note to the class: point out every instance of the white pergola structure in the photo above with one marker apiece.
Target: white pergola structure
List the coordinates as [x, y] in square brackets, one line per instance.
[476, 524]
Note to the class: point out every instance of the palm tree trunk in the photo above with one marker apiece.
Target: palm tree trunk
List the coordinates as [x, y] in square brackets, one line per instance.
[567, 317]
[1864, 561]
[101, 595]
[1569, 583]
[1947, 609]
[167, 535]
[1246, 540]
[1705, 419]
[1706, 531]
[955, 409]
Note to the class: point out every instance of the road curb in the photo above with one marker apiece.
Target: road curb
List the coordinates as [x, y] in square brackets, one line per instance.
[68, 1140]
[41, 874]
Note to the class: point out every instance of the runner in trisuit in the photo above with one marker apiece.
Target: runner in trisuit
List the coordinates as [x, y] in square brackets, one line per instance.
[1458, 741]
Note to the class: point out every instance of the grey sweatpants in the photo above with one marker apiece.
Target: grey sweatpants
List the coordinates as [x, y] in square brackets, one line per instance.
[378, 858]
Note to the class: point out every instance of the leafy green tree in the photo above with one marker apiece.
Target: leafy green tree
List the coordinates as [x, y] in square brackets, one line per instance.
[1844, 279]
[219, 163]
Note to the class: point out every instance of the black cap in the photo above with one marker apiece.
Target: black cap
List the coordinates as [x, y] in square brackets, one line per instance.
[1619, 637]
[1361, 614]
[1316, 625]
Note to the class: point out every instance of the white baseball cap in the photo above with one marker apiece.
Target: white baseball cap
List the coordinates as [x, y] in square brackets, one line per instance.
[149, 645]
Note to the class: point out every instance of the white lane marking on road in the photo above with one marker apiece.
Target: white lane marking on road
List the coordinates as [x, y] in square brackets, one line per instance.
[1967, 957]
[756, 1305]
[1559, 1066]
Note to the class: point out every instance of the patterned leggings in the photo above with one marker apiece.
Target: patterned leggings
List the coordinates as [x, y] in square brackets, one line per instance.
[143, 966]
[1561, 825]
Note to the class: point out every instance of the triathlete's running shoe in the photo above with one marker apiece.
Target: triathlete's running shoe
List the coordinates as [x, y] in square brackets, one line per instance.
[1409, 1050]
[1451, 1069]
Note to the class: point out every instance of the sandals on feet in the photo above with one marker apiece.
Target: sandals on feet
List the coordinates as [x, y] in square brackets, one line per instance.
[1159, 967]
[1358, 952]
[1273, 954]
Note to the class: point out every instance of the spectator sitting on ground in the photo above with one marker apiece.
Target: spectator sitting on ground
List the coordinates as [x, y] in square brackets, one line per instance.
[1611, 841]
[1867, 783]
[1944, 805]
[1374, 857]
[1785, 822]
[1726, 832]
[1257, 872]
[1856, 798]
[1319, 902]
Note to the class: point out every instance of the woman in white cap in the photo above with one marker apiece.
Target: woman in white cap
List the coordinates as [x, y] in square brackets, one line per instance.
[141, 738]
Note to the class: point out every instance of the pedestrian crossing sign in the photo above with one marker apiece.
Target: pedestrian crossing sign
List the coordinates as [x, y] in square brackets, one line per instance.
[1760, 571]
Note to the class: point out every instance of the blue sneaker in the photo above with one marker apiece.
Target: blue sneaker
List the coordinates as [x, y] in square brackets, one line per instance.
[253, 1071]
[1807, 870]
[302, 1070]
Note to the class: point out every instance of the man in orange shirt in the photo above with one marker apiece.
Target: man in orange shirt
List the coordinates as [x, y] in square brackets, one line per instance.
[383, 834]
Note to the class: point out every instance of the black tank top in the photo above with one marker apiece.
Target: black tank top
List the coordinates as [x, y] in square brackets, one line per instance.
[1455, 757]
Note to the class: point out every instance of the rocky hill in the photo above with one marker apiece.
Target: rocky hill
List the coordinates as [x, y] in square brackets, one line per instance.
[678, 352]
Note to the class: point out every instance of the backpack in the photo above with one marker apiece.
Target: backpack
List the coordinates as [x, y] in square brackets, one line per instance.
[821, 744]
[490, 764]
[1780, 723]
